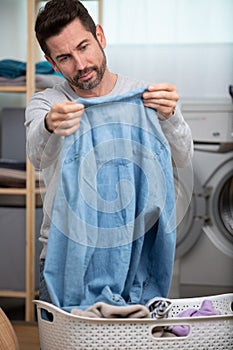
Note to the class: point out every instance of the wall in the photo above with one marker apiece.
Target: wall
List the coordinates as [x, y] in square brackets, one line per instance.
[200, 70]
[186, 42]
[13, 23]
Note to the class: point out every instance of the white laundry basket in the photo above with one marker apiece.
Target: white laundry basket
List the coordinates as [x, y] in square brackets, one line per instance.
[71, 332]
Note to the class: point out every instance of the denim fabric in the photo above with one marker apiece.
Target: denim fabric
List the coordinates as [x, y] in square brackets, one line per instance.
[112, 235]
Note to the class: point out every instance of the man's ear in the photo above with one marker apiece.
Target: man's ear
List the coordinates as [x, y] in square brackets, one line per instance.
[51, 61]
[100, 36]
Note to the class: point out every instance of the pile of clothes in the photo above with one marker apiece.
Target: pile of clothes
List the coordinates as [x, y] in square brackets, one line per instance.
[13, 73]
[158, 309]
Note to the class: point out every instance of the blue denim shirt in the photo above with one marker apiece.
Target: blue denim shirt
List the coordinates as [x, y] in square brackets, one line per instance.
[113, 234]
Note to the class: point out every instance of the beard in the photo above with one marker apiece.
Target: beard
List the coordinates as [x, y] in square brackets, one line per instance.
[89, 83]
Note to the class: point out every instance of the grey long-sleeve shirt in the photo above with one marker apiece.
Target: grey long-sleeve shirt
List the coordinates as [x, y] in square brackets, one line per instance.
[43, 147]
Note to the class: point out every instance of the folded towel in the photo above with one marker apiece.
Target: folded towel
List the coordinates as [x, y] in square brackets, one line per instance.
[10, 68]
[41, 80]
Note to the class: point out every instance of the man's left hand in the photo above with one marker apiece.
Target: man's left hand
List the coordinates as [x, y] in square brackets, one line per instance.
[163, 98]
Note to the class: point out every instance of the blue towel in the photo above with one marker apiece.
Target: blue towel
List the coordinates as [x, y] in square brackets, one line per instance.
[112, 235]
[13, 69]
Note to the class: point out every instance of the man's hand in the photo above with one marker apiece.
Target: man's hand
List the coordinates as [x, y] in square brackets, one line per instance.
[163, 97]
[64, 118]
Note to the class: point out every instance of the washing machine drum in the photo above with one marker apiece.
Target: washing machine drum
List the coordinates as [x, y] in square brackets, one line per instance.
[219, 226]
[225, 207]
[209, 210]
[189, 210]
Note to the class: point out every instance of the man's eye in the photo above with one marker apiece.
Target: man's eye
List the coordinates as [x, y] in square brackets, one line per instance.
[64, 59]
[83, 47]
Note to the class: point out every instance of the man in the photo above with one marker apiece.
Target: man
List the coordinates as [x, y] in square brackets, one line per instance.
[74, 45]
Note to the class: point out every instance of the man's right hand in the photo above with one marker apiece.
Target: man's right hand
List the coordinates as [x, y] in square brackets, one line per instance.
[64, 118]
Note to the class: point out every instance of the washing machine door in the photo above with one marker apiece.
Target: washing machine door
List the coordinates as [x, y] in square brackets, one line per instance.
[219, 227]
[190, 209]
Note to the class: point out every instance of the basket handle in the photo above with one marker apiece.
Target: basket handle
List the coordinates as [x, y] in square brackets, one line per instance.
[169, 331]
[46, 311]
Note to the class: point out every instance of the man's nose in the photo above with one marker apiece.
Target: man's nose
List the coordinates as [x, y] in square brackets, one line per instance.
[79, 61]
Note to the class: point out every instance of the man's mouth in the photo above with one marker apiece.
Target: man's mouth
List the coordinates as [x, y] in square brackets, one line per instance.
[85, 75]
[88, 78]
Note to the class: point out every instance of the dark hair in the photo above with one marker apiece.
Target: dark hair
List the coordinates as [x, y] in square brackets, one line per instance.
[57, 14]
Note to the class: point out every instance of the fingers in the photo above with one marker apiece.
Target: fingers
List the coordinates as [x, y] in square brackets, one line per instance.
[64, 118]
[162, 87]
[162, 97]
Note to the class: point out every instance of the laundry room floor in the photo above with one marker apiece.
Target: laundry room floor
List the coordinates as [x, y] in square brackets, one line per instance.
[27, 334]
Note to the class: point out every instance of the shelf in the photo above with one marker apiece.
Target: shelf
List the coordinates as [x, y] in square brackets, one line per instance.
[12, 294]
[29, 191]
[13, 89]
[8, 293]
[18, 89]
[13, 191]
[22, 191]
[40, 190]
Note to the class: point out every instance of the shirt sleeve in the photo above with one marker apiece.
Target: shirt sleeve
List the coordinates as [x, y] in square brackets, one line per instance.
[43, 147]
[179, 136]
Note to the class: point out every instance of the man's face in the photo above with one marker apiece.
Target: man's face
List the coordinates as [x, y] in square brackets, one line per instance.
[78, 56]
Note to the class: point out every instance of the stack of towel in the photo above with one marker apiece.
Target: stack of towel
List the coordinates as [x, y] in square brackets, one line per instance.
[13, 73]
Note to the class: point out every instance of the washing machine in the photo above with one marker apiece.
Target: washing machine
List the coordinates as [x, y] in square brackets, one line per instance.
[205, 216]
